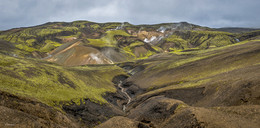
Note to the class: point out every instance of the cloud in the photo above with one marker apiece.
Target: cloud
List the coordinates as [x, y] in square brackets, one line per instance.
[109, 10]
[219, 13]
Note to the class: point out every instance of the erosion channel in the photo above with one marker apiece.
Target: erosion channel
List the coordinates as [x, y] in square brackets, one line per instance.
[123, 90]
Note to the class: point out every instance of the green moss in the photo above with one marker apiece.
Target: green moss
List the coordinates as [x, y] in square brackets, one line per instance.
[66, 37]
[52, 84]
[14, 39]
[100, 43]
[108, 40]
[81, 24]
[180, 106]
[199, 39]
[188, 60]
[220, 41]
[3, 36]
[146, 55]
[117, 32]
[51, 31]
[25, 48]
[77, 35]
[30, 42]
[197, 77]
[205, 39]
[212, 32]
[243, 62]
[44, 32]
[129, 51]
[49, 45]
[32, 39]
[6, 62]
[29, 35]
[174, 38]
[72, 29]
[157, 49]
[95, 26]
[175, 51]
[137, 43]
[197, 51]
[179, 86]
[178, 41]
[111, 26]
[192, 75]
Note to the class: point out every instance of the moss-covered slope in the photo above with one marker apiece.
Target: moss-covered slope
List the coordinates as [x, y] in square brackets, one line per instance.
[53, 84]
[183, 67]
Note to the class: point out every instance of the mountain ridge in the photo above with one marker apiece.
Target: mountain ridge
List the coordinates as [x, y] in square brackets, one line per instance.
[146, 40]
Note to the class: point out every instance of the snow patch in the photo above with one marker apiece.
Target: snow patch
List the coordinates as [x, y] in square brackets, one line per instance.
[153, 38]
[120, 27]
[96, 58]
[160, 37]
[161, 29]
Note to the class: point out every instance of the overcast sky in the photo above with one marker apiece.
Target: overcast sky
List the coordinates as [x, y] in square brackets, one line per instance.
[211, 13]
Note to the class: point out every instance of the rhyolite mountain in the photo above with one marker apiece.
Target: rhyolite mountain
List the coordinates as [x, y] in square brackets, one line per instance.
[119, 75]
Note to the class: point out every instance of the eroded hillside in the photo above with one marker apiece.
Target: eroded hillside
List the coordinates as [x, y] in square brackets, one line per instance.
[86, 74]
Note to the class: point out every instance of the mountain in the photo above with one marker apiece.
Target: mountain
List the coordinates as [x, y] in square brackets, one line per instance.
[236, 30]
[87, 74]
[108, 43]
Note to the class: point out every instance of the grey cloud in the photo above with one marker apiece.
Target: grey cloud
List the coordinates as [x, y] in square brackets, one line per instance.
[218, 13]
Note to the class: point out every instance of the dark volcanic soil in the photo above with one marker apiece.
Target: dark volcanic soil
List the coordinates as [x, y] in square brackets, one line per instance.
[91, 113]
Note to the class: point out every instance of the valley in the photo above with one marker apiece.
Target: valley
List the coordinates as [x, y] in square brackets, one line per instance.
[120, 75]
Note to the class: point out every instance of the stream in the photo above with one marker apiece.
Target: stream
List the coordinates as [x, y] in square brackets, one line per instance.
[123, 90]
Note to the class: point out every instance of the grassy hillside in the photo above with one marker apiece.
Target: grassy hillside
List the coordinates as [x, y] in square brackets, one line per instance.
[53, 84]
[196, 40]
[179, 68]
